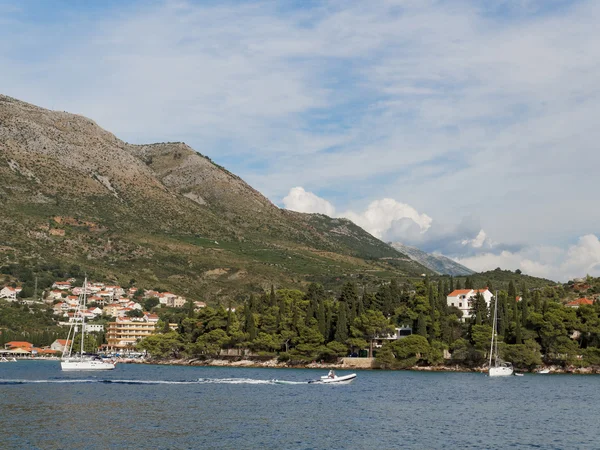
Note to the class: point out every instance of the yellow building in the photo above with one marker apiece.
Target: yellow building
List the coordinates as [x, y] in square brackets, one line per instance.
[126, 333]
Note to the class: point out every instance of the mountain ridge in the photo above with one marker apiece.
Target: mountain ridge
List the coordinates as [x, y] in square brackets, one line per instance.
[439, 264]
[162, 212]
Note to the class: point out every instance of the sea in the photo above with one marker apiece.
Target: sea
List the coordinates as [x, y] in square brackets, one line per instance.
[138, 406]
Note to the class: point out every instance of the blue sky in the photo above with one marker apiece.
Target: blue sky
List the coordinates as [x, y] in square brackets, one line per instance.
[467, 128]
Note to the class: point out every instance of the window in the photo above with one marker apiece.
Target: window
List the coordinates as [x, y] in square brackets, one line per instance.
[460, 305]
[452, 303]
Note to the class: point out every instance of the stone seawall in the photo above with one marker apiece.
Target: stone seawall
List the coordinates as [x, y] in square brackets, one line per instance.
[357, 363]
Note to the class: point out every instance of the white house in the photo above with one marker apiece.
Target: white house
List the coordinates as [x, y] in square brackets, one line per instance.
[10, 293]
[55, 294]
[62, 285]
[59, 345]
[463, 299]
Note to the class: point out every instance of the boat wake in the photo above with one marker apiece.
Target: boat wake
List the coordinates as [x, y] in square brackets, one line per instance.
[93, 381]
[144, 382]
[157, 382]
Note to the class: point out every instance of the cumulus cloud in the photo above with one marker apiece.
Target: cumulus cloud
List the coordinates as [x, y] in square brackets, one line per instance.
[379, 218]
[386, 214]
[579, 259]
[479, 241]
[466, 242]
[370, 98]
[302, 201]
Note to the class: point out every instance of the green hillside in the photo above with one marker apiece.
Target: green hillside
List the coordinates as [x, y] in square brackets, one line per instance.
[73, 195]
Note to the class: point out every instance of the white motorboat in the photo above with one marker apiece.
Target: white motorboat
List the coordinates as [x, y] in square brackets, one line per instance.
[80, 361]
[497, 367]
[543, 371]
[3, 359]
[344, 379]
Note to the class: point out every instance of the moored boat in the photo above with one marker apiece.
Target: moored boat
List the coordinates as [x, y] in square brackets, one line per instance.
[497, 367]
[70, 359]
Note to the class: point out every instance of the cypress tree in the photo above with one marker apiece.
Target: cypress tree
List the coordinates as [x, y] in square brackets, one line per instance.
[468, 283]
[341, 328]
[249, 324]
[525, 306]
[512, 293]
[273, 297]
[321, 319]
[228, 317]
[458, 284]
[422, 325]
[516, 319]
[501, 314]
[329, 324]
[536, 301]
[360, 307]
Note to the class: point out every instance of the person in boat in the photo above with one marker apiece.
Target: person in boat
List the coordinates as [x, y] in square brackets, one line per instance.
[331, 374]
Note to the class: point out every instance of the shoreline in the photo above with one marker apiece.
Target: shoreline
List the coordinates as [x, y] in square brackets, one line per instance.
[274, 364]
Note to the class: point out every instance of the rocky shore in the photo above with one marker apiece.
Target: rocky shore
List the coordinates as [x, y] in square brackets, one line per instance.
[342, 365]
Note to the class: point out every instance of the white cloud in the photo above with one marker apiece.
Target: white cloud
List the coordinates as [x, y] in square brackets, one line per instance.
[580, 259]
[307, 202]
[388, 219]
[455, 109]
[383, 215]
[379, 218]
[479, 241]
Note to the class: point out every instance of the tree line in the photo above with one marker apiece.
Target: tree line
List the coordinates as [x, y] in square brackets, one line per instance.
[316, 325]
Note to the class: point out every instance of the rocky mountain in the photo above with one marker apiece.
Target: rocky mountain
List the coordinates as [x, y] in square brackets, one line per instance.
[439, 264]
[163, 215]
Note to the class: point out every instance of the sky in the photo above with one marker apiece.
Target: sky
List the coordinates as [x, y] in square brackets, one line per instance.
[466, 128]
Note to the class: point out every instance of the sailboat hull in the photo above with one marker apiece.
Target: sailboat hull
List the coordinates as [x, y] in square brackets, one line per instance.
[86, 365]
[500, 371]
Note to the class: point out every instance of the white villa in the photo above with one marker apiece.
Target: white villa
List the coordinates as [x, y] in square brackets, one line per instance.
[463, 299]
[10, 293]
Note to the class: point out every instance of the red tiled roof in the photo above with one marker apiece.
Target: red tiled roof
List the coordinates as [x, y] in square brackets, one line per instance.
[457, 292]
[23, 344]
[580, 301]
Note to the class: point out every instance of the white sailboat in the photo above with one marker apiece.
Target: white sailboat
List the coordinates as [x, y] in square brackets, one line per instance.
[497, 367]
[80, 361]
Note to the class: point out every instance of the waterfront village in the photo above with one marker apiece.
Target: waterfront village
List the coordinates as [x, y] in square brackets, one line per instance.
[131, 322]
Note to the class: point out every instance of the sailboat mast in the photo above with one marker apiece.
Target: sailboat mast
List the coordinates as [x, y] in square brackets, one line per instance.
[82, 315]
[493, 328]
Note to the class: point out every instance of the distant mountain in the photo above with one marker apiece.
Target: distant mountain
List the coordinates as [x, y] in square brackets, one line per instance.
[161, 215]
[437, 263]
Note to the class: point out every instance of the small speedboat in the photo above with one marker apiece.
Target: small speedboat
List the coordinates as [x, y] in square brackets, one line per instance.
[344, 379]
[543, 371]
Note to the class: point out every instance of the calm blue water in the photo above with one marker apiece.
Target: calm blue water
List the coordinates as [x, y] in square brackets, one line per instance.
[166, 407]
